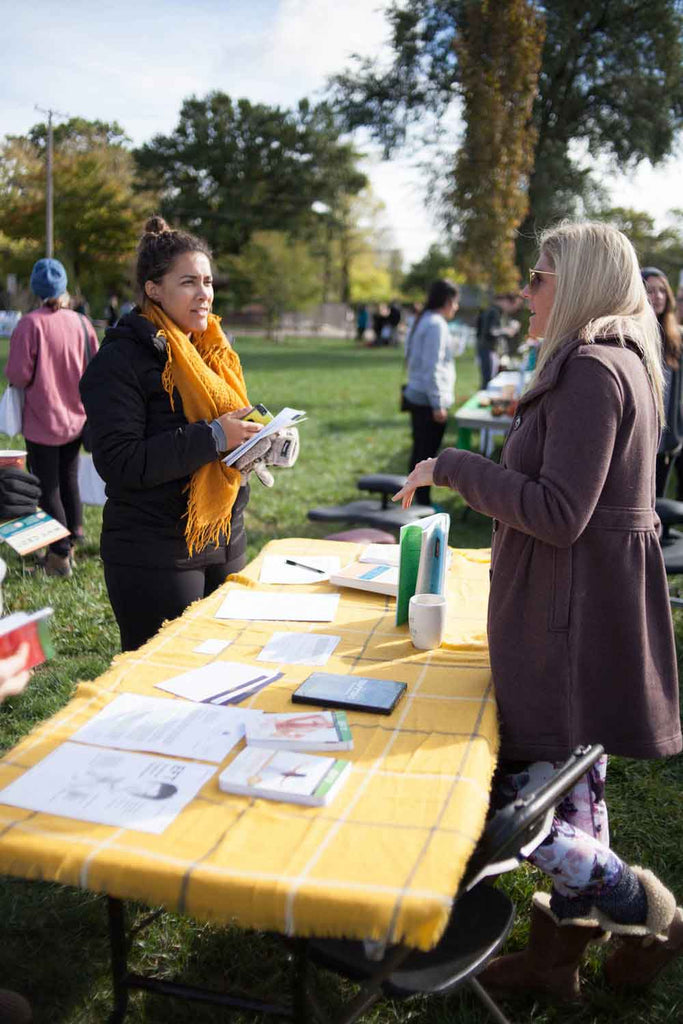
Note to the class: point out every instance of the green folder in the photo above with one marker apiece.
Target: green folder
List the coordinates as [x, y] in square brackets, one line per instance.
[409, 564]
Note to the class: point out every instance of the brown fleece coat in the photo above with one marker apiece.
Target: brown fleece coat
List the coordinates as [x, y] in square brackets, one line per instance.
[579, 624]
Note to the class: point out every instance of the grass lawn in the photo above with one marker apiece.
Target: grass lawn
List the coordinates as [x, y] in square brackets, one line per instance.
[54, 939]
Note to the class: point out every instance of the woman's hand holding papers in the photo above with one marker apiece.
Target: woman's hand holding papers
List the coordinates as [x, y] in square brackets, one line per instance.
[421, 476]
[237, 430]
[13, 673]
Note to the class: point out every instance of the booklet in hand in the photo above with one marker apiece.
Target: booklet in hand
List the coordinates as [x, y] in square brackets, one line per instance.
[285, 775]
[285, 418]
[19, 628]
[356, 693]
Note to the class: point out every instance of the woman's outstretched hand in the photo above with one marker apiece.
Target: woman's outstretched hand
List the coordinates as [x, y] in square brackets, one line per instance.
[421, 476]
[237, 430]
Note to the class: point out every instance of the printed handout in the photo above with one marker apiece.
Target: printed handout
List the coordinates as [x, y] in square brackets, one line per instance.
[285, 418]
[108, 787]
[295, 568]
[255, 604]
[162, 726]
[211, 646]
[299, 648]
[220, 682]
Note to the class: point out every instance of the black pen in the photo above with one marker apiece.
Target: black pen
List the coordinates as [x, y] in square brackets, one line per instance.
[300, 565]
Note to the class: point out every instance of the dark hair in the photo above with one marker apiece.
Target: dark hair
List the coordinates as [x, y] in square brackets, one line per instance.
[668, 324]
[440, 292]
[159, 246]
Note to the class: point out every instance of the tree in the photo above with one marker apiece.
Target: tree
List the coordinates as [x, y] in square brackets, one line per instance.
[97, 213]
[231, 169]
[278, 272]
[437, 263]
[499, 53]
[663, 249]
[611, 81]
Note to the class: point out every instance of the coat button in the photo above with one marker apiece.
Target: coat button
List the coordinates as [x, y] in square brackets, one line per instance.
[517, 422]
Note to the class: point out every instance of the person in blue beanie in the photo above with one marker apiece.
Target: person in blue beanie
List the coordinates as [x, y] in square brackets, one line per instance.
[48, 352]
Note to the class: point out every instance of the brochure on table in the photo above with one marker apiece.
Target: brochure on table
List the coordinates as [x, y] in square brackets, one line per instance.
[299, 648]
[160, 726]
[220, 682]
[278, 607]
[304, 730]
[298, 568]
[284, 775]
[285, 418]
[108, 787]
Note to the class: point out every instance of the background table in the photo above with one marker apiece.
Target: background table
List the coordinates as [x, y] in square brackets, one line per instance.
[471, 416]
[382, 861]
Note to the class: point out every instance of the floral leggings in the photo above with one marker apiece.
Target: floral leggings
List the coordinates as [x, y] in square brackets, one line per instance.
[576, 853]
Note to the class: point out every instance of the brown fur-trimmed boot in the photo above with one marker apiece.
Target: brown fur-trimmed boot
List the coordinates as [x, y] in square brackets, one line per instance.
[644, 950]
[550, 963]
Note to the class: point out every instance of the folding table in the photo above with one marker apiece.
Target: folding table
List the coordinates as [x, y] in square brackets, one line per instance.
[382, 862]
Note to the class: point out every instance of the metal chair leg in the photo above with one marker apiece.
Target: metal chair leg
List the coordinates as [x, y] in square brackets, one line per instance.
[485, 998]
[119, 959]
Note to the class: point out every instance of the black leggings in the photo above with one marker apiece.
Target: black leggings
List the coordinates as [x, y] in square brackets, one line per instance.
[56, 466]
[142, 597]
[427, 436]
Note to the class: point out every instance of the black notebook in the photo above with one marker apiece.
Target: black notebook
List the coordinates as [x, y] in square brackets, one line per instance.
[359, 693]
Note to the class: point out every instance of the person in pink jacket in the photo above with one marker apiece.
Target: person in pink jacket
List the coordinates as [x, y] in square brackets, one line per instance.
[48, 352]
[579, 625]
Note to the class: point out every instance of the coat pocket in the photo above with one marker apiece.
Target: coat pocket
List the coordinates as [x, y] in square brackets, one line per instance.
[562, 587]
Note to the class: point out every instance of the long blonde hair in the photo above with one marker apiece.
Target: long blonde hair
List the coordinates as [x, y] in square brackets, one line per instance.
[599, 293]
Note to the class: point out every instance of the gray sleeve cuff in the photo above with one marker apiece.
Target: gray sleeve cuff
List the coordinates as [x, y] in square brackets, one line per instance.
[219, 437]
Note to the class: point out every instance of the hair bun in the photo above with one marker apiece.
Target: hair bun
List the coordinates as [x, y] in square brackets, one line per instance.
[156, 225]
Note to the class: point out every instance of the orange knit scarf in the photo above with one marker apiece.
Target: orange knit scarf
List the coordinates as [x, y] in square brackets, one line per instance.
[208, 375]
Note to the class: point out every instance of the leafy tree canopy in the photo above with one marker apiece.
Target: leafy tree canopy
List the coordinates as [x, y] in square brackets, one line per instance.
[663, 249]
[97, 212]
[611, 78]
[231, 168]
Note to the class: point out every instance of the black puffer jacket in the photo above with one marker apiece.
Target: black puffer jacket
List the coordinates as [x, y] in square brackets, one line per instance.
[145, 451]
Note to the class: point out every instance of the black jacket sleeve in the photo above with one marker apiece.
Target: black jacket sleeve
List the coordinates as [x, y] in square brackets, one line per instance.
[129, 449]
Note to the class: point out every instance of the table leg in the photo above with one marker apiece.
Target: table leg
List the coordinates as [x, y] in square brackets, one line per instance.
[119, 958]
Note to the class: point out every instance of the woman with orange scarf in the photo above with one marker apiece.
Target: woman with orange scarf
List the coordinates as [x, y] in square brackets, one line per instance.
[165, 397]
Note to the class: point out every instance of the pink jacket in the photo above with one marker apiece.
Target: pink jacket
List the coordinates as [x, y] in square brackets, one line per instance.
[47, 358]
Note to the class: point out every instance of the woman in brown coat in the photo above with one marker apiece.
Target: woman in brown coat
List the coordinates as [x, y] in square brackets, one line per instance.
[579, 626]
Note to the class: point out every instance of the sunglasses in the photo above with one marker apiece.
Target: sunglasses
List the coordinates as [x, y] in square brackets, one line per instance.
[535, 276]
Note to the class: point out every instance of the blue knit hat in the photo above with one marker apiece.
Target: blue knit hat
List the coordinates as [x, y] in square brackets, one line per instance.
[48, 279]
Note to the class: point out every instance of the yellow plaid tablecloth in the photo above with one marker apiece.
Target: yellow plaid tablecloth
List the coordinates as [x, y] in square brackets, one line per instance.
[382, 861]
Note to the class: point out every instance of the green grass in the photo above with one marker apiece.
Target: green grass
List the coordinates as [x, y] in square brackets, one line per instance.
[54, 939]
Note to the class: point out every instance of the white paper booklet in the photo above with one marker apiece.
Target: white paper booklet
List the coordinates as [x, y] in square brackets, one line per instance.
[299, 648]
[285, 775]
[285, 418]
[381, 554]
[380, 579]
[162, 726]
[312, 730]
[257, 604]
[219, 682]
[108, 787]
[297, 568]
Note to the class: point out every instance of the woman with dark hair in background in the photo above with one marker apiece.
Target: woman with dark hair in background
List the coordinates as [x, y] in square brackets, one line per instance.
[48, 352]
[664, 305]
[430, 391]
[164, 397]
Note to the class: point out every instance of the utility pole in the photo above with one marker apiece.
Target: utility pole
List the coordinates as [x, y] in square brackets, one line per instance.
[49, 202]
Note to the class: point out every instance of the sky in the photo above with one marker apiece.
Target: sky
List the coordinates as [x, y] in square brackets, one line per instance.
[135, 62]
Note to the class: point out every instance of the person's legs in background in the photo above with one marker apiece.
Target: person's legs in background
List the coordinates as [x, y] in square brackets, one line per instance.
[44, 461]
[68, 488]
[485, 365]
[427, 436]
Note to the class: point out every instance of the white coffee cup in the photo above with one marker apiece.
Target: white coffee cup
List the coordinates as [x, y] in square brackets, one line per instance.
[427, 620]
